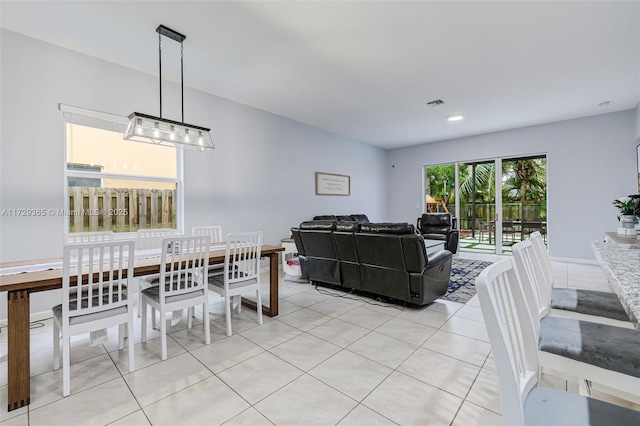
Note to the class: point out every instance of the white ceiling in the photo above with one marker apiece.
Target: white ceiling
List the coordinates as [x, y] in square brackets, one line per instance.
[366, 69]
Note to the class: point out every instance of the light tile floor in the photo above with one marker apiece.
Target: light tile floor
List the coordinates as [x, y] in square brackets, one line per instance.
[324, 360]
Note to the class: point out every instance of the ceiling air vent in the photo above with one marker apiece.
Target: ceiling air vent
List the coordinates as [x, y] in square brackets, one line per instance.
[435, 103]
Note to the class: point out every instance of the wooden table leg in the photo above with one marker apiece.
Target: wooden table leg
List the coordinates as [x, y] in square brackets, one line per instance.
[272, 309]
[273, 284]
[19, 351]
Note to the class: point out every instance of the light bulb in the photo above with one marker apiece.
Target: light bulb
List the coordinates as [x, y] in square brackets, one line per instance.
[139, 126]
[172, 132]
[156, 131]
[186, 135]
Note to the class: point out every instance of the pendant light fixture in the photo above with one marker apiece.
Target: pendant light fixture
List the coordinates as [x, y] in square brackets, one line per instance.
[161, 131]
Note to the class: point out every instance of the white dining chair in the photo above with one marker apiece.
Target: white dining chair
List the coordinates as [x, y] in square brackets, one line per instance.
[88, 237]
[588, 351]
[588, 305]
[215, 233]
[151, 239]
[96, 271]
[241, 272]
[180, 284]
[514, 345]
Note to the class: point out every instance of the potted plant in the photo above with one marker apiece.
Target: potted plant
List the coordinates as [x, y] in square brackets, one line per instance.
[629, 208]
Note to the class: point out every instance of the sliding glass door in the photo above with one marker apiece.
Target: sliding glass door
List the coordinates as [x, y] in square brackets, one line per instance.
[477, 193]
[524, 198]
[491, 220]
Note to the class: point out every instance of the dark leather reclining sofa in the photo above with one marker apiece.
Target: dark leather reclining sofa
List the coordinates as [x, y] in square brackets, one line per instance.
[386, 259]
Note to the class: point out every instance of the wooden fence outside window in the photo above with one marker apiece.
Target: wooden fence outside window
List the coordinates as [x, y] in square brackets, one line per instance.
[120, 209]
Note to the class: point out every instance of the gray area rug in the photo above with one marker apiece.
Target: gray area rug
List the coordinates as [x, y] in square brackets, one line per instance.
[462, 285]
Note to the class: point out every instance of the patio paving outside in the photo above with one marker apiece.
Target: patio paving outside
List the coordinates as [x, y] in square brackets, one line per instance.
[474, 244]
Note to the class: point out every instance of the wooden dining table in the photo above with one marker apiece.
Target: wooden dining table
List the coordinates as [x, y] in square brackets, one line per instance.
[19, 286]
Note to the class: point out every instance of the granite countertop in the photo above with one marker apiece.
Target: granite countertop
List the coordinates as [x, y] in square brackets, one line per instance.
[621, 264]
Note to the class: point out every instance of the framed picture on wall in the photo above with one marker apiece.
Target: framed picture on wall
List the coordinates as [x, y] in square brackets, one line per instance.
[332, 184]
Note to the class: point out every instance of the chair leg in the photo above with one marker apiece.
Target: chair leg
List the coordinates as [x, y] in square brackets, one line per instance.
[205, 320]
[190, 312]
[121, 334]
[139, 299]
[239, 301]
[143, 332]
[154, 322]
[228, 314]
[56, 346]
[66, 364]
[163, 334]
[130, 341]
[259, 306]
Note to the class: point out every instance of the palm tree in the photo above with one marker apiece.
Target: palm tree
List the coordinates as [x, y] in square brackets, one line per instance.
[526, 178]
[484, 178]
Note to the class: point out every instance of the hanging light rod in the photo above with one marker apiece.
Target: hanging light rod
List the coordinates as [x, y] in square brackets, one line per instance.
[161, 131]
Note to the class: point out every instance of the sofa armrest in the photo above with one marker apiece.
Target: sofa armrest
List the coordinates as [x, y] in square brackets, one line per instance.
[437, 258]
[453, 237]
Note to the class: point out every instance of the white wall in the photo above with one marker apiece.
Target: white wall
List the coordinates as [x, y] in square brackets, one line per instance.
[591, 161]
[637, 133]
[261, 175]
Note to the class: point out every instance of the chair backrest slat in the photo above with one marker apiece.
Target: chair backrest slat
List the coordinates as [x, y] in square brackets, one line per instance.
[88, 237]
[543, 256]
[99, 269]
[215, 232]
[184, 265]
[531, 276]
[511, 333]
[242, 257]
[152, 238]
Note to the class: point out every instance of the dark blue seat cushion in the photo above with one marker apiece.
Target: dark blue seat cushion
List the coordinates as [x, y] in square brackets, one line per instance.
[588, 302]
[605, 346]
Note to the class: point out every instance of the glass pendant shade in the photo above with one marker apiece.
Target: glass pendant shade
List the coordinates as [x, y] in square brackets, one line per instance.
[160, 131]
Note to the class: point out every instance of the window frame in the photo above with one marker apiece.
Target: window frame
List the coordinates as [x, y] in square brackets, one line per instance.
[114, 123]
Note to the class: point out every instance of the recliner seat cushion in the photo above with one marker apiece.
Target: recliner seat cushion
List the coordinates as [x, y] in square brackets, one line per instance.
[442, 237]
